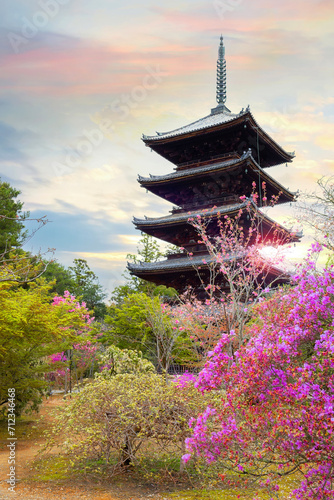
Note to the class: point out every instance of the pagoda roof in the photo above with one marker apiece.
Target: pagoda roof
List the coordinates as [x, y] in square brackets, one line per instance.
[182, 272]
[190, 172]
[211, 124]
[185, 262]
[154, 182]
[183, 218]
[209, 121]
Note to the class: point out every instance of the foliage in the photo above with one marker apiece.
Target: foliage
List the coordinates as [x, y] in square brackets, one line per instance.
[17, 265]
[128, 322]
[118, 416]
[59, 277]
[200, 326]
[144, 323]
[21, 267]
[32, 329]
[68, 368]
[80, 281]
[116, 361]
[278, 413]
[87, 287]
[11, 229]
[80, 357]
[148, 250]
[316, 210]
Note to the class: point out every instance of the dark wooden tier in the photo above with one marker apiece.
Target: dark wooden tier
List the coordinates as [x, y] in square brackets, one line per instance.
[177, 230]
[184, 272]
[217, 184]
[216, 136]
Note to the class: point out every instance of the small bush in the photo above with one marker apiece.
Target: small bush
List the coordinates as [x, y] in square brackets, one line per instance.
[115, 418]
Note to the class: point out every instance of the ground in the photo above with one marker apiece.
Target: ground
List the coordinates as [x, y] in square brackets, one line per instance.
[31, 486]
[48, 482]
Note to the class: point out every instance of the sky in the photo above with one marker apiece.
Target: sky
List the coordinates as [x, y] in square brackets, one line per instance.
[81, 82]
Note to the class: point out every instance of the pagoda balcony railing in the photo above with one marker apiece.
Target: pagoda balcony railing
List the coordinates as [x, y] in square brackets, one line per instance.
[192, 163]
[223, 200]
[196, 250]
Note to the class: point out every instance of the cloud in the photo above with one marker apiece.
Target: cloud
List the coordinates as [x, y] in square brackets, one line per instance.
[88, 231]
[102, 193]
[52, 65]
[86, 59]
[12, 141]
[105, 259]
[129, 240]
[325, 140]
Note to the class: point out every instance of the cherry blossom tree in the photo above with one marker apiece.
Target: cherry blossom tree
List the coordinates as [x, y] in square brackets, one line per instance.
[78, 356]
[239, 268]
[316, 211]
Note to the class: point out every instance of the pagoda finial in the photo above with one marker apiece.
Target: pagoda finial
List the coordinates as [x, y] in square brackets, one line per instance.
[221, 73]
[221, 80]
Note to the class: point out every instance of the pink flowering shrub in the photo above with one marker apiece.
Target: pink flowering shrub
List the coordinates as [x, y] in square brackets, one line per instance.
[68, 299]
[199, 325]
[276, 414]
[83, 351]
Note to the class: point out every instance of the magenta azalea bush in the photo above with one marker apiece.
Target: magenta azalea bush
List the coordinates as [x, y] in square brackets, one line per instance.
[276, 415]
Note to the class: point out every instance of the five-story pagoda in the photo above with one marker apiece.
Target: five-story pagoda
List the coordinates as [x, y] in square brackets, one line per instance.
[217, 159]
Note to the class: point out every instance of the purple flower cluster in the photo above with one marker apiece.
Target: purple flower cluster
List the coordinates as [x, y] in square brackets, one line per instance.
[277, 404]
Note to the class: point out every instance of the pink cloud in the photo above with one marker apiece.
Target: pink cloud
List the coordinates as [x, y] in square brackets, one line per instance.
[207, 21]
[243, 19]
[91, 69]
[78, 69]
[88, 67]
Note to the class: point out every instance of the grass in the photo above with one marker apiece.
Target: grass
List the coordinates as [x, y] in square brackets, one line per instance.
[26, 427]
[198, 482]
[227, 492]
[51, 469]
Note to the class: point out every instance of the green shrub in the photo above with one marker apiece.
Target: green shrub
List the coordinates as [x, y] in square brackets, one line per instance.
[116, 417]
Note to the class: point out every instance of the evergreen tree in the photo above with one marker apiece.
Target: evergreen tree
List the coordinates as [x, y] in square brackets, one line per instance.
[148, 250]
[87, 286]
[11, 226]
[61, 277]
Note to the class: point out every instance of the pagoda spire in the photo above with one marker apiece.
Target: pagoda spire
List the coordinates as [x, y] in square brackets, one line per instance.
[221, 73]
[221, 80]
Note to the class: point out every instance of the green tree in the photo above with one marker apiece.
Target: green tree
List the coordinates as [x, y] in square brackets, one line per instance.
[31, 329]
[116, 361]
[11, 216]
[129, 328]
[60, 276]
[87, 287]
[17, 265]
[148, 250]
[144, 323]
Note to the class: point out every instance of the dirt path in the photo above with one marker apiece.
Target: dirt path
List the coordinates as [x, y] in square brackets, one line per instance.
[28, 488]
